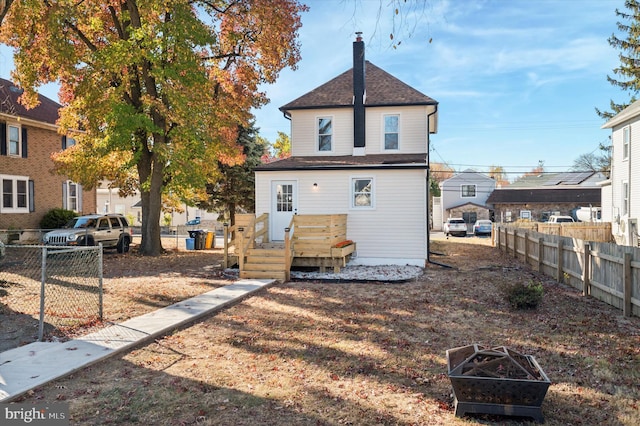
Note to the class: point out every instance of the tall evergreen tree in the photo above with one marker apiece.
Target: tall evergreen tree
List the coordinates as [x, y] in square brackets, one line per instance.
[234, 188]
[627, 75]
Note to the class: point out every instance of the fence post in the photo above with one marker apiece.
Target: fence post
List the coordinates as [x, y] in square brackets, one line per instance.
[43, 278]
[526, 248]
[559, 276]
[100, 273]
[626, 306]
[540, 253]
[586, 270]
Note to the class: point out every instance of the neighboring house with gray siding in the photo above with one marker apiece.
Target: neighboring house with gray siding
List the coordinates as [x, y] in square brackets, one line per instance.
[465, 195]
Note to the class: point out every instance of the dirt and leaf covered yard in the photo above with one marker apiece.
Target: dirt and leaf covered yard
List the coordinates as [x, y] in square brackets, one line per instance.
[327, 353]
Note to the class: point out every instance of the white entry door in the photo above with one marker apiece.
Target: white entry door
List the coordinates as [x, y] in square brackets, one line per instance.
[284, 204]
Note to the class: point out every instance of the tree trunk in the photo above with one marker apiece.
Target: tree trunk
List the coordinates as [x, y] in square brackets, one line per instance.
[232, 213]
[150, 172]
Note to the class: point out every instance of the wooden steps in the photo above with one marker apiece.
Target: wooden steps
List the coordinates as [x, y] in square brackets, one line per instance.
[265, 263]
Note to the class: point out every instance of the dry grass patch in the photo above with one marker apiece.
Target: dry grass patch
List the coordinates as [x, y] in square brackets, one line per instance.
[309, 353]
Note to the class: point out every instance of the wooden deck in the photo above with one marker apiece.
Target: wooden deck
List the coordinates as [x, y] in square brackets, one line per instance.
[310, 241]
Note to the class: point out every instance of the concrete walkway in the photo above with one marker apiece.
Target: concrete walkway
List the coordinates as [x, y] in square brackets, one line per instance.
[36, 364]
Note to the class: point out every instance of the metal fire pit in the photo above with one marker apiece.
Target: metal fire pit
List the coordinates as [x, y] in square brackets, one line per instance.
[496, 380]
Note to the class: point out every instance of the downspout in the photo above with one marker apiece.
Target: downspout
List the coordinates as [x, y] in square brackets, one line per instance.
[435, 111]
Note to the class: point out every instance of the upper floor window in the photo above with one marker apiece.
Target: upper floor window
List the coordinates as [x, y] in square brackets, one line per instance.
[468, 191]
[13, 137]
[362, 193]
[15, 194]
[325, 134]
[626, 137]
[391, 131]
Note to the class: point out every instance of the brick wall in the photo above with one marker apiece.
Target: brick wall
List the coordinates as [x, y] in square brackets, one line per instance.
[38, 167]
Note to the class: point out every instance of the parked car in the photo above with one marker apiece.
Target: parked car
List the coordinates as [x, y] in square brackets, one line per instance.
[560, 219]
[482, 227]
[193, 222]
[455, 226]
[112, 230]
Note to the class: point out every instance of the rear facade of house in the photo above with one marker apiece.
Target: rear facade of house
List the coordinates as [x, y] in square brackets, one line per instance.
[358, 147]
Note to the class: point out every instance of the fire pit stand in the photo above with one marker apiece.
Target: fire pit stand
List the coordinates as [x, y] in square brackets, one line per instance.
[496, 380]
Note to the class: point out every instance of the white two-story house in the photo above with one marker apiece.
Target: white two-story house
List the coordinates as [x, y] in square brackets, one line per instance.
[621, 195]
[358, 147]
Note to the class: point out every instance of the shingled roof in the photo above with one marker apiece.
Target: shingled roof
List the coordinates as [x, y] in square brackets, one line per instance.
[569, 195]
[46, 111]
[382, 89]
[341, 162]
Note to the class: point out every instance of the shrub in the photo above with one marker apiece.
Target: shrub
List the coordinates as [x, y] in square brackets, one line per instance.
[524, 295]
[57, 218]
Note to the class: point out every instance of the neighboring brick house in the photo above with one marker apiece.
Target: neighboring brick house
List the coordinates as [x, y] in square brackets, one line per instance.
[537, 197]
[29, 186]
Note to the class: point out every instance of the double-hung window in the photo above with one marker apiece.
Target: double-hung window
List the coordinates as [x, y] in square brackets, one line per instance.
[362, 192]
[15, 194]
[15, 144]
[72, 196]
[467, 191]
[391, 132]
[626, 138]
[325, 134]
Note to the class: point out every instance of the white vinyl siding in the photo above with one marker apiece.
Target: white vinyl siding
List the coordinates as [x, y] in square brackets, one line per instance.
[393, 232]
[412, 130]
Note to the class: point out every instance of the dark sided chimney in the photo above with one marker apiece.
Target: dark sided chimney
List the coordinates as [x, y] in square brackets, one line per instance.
[359, 93]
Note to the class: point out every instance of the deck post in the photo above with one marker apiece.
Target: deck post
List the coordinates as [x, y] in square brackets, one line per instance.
[240, 248]
[287, 254]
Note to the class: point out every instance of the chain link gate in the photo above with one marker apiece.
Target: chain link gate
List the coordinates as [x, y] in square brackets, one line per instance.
[60, 286]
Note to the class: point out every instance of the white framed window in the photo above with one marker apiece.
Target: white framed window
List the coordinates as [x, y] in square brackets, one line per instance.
[14, 140]
[15, 194]
[626, 138]
[362, 193]
[72, 196]
[325, 134]
[525, 214]
[467, 191]
[391, 132]
[625, 197]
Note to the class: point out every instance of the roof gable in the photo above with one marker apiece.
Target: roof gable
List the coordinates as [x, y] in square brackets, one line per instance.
[630, 112]
[46, 111]
[382, 89]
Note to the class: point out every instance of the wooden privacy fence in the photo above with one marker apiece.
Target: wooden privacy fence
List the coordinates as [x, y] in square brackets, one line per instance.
[606, 271]
[586, 231]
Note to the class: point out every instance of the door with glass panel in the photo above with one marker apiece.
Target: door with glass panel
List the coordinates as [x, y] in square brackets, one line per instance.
[284, 204]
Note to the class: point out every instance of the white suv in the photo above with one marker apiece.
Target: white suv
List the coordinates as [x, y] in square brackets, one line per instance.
[112, 230]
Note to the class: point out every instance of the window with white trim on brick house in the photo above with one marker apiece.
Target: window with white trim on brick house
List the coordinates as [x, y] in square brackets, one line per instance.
[13, 140]
[15, 194]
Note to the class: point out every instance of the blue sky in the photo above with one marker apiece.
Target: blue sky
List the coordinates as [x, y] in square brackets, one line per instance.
[517, 81]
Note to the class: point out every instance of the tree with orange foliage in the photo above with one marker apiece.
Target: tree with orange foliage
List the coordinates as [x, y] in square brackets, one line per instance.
[159, 87]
